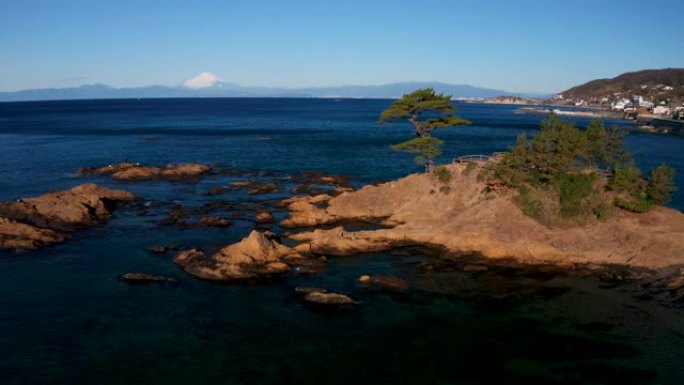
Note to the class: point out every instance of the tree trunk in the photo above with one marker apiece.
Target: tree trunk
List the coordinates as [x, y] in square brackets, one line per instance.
[431, 166]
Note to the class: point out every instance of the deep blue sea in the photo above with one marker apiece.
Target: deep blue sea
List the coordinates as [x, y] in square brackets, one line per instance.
[65, 318]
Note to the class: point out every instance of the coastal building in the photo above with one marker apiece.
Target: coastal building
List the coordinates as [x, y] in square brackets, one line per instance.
[662, 110]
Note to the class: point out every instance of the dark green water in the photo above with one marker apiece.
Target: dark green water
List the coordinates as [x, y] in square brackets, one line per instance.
[65, 318]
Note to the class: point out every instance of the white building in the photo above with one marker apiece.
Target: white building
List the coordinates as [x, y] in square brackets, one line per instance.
[662, 110]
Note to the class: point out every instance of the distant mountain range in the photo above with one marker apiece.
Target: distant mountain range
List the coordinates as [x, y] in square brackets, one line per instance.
[209, 85]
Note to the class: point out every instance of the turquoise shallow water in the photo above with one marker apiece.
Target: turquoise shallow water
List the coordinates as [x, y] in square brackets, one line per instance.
[65, 318]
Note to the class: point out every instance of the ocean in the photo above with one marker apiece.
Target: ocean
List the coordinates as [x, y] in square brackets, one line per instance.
[66, 318]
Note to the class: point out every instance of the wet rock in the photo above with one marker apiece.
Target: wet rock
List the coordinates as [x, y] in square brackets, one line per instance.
[158, 249]
[15, 235]
[145, 278]
[667, 288]
[214, 222]
[384, 282]
[136, 172]
[257, 255]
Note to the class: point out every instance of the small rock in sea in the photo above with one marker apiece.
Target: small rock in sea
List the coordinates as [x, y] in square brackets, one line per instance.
[144, 278]
[159, 249]
[264, 217]
[218, 190]
[323, 298]
[214, 222]
[365, 279]
[470, 267]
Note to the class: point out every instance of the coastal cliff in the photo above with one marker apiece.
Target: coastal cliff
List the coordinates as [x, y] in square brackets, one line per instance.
[464, 220]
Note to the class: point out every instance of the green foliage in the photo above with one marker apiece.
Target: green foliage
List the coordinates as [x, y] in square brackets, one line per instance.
[443, 175]
[638, 194]
[424, 148]
[556, 174]
[427, 111]
[573, 188]
[470, 166]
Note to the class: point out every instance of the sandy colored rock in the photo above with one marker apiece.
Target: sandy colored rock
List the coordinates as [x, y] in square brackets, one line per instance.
[78, 208]
[35, 222]
[257, 255]
[464, 221]
[15, 235]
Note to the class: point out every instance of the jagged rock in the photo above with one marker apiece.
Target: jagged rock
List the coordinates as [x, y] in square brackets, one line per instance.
[15, 235]
[37, 221]
[80, 207]
[257, 255]
[145, 278]
[310, 177]
[136, 172]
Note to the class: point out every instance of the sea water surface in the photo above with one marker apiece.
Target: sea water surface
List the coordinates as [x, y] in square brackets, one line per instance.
[65, 318]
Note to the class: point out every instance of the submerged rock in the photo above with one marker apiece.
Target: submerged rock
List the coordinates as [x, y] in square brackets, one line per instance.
[40, 221]
[144, 278]
[136, 172]
[214, 222]
[257, 188]
[257, 255]
[158, 249]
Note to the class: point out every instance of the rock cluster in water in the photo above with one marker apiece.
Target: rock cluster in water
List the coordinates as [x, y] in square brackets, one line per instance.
[30, 223]
[136, 172]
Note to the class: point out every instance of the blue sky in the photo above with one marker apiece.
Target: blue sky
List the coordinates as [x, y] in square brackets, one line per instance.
[524, 46]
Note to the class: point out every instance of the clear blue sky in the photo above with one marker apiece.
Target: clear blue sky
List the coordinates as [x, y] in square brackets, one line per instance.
[512, 45]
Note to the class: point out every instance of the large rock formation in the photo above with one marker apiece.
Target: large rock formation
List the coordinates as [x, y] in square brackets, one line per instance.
[257, 255]
[136, 172]
[465, 220]
[40, 221]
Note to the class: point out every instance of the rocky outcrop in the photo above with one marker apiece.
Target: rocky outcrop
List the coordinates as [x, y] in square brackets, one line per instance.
[159, 249]
[257, 255]
[463, 220]
[136, 172]
[41, 221]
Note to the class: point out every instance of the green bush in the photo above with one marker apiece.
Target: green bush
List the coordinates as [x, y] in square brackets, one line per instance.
[443, 174]
[555, 174]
